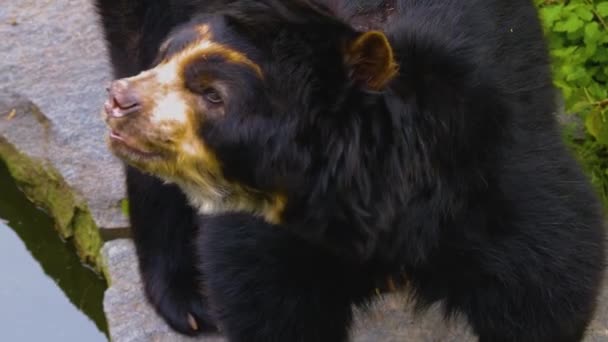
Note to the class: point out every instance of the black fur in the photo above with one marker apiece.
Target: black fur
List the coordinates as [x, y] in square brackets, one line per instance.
[162, 222]
[163, 228]
[268, 284]
[454, 176]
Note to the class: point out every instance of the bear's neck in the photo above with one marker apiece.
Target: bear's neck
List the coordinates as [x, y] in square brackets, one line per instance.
[234, 199]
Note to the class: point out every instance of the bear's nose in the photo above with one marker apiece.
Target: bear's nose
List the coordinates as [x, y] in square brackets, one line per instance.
[122, 99]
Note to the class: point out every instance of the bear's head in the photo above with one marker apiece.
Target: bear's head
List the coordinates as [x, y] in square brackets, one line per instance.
[255, 107]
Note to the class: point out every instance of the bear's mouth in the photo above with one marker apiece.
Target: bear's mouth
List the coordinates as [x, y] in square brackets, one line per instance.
[128, 147]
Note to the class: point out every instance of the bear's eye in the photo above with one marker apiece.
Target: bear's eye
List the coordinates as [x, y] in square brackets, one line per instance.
[212, 96]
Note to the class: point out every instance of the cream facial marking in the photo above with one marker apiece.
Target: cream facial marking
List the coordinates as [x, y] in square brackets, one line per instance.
[206, 46]
[166, 74]
[171, 108]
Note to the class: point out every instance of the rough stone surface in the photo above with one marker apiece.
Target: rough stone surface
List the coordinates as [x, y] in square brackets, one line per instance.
[52, 52]
[131, 319]
[26, 137]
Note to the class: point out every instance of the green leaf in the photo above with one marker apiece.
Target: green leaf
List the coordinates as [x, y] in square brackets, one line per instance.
[597, 91]
[576, 74]
[576, 36]
[584, 13]
[590, 50]
[570, 25]
[551, 14]
[592, 33]
[565, 52]
[602, 9]
[564, 87]
[597, 127]
[593, 123]
[572, 6]
[601, 55]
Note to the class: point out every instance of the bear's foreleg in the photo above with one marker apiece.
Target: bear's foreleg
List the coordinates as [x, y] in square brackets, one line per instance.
[266, 284]
[163, 226]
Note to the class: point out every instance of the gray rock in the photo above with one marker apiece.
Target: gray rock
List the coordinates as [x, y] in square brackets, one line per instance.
[130, 317]
[27, 140]
[390, 319]
[53, 53]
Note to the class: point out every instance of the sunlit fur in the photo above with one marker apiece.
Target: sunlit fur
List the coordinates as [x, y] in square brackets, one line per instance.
[372, 45]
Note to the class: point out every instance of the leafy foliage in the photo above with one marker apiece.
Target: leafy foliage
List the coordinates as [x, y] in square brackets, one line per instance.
[577, 32]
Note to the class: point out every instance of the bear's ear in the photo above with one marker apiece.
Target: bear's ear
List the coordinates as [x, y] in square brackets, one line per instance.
[370, 59]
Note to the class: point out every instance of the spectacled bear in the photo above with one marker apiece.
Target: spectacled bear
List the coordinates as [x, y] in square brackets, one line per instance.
[287, 157]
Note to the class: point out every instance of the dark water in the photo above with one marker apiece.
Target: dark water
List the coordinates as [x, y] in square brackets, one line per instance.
[46, 294]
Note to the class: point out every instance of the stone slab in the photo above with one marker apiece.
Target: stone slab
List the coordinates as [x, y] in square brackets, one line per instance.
[26, 141]
[52, 52]
[132, 319]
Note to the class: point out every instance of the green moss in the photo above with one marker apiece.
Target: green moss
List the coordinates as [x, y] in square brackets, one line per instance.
[87, 239]
[124, 207]
[44, 186]
[105, 270]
